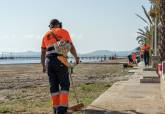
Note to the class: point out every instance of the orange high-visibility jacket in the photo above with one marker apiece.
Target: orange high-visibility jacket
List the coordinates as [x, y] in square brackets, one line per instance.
[48, 38]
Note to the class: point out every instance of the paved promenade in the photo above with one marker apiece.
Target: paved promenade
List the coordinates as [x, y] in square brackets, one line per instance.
[130, 97]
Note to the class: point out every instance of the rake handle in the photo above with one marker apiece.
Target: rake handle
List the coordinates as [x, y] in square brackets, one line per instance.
[74, 88]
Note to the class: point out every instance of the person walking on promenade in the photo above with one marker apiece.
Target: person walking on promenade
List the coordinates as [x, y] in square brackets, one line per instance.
[146, 54]
[56, 44]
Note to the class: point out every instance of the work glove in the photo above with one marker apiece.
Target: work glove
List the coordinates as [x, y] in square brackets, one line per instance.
[77, 60]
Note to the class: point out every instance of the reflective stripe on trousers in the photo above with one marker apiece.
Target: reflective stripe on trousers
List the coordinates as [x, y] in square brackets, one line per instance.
[60, 99]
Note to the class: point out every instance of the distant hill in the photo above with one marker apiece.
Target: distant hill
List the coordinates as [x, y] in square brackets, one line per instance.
[98, 53]
[107, 53]
[27, 54]
[123, 53]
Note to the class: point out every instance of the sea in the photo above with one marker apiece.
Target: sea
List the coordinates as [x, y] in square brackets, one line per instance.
[19, 61]
[37, 60]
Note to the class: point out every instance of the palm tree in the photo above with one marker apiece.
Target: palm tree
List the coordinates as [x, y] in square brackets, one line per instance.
[146, 35]
[162, 18]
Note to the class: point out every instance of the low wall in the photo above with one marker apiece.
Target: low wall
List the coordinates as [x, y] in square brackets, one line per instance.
[163, 88]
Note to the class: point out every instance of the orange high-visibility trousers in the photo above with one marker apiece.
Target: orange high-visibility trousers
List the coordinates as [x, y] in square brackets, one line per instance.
[60, 99]
[59, 84]
[55, 98]
[63, 98]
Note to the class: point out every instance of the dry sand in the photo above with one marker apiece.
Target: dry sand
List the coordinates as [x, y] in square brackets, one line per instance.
[24, 89]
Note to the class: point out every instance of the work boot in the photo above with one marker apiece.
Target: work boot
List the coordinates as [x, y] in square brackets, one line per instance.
[62, 110]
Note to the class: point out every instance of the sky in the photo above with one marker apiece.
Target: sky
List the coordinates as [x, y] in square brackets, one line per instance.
[92, 24]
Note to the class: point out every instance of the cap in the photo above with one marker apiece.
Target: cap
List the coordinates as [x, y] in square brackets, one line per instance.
[54, 22]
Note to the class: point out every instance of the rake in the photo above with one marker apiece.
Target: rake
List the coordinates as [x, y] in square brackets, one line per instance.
[79, 105]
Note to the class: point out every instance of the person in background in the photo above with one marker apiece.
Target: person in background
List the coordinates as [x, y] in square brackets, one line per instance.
[146, 54]
[134, 57]
[130, 59]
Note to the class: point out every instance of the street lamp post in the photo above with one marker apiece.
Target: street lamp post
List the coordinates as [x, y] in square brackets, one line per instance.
[155, 37]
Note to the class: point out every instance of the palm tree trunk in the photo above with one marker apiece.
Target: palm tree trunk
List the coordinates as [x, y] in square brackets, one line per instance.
[162, 43]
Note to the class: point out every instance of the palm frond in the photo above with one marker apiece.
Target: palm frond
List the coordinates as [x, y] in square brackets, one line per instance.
[141, 30]
[142, 18]
[146, 28]
[141, 41]
[143, 34]
[147, 15]
[140, 37]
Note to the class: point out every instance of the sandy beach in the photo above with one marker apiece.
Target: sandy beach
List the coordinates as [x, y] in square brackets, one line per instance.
[24, 89]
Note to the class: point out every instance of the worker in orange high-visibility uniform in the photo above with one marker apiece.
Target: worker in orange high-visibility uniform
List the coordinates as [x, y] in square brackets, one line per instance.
[56, 68]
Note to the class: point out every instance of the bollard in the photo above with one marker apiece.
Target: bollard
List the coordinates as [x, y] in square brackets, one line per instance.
[159, 70]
